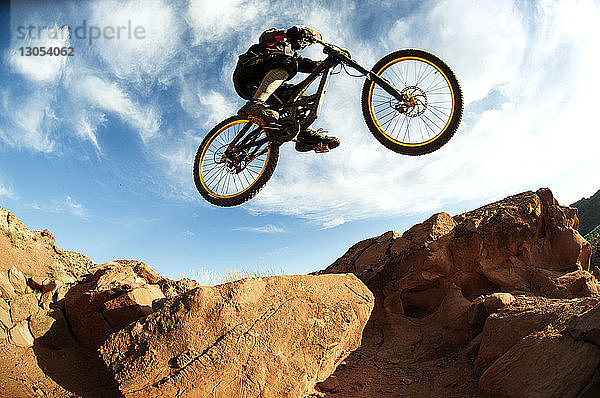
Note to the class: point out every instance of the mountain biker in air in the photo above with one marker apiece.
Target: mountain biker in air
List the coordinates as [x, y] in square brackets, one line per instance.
[260, 76]
[411, 102]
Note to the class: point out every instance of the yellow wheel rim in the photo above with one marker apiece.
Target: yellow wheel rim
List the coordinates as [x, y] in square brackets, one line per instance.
[208, 177]
[447, 119]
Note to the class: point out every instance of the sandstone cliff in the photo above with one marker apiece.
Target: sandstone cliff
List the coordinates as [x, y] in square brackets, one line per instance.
[275, 336]
[482, 303]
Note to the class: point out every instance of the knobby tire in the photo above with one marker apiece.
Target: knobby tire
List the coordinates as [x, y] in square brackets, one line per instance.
[435, 118]
[202, 177]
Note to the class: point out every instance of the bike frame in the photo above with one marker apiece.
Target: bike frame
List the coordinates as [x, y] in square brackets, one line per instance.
[335, 57]
[312, 103]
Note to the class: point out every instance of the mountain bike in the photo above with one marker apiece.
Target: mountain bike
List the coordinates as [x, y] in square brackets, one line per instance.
[411, 101]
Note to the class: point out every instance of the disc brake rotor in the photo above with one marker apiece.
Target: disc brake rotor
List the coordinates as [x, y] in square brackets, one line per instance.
[414, 101]
[234, 160]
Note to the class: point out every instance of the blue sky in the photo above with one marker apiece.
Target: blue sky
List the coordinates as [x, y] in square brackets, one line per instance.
[98, 147]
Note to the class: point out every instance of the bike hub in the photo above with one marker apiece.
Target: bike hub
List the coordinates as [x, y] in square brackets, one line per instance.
[414, 101]
[233, 160]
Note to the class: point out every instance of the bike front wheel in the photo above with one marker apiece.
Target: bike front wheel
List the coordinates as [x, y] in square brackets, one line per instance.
[431, 106]
[234, 161]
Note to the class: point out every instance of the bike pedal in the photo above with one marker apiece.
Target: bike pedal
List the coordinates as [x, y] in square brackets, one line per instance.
[322, 149]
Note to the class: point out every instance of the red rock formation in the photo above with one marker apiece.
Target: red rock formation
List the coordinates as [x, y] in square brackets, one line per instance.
[37, 279]
[497, 302]
[530, 349]
[113, 298]
[428, 282]
[268, 337]
[35, 254]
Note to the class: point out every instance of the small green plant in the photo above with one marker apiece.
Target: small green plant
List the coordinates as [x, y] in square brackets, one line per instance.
[61, 273]
[212, 278]
[593, 234]
[17, 238]
[203, 276]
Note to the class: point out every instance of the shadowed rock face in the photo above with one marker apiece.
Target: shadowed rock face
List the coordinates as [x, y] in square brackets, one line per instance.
[428, 282]
[540, 347]
[270, 337]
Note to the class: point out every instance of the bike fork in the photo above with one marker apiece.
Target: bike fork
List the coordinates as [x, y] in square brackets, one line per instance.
[381, 81]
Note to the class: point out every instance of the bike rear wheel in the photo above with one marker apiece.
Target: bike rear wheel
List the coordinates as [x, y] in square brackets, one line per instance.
[431, 108]
[234, 161]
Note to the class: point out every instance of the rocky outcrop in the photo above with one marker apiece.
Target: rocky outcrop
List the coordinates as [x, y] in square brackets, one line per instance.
[501, 301]
[36, 280]
[270, 337]
[112, 298]
[35, 254]
[26, 313]
[173, 288]
[439, 283]
[541, 348]
[542, 364]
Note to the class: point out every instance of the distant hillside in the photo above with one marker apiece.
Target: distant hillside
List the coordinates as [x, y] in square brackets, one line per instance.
[595, 260]
[589, 213]
[593, 235]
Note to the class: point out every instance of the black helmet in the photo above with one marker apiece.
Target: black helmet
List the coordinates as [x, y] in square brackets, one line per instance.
[302, 36]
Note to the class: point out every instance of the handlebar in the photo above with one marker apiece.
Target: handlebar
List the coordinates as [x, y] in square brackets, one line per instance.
[332, 48]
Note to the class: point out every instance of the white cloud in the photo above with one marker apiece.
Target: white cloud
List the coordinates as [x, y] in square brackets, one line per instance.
[31, 119]
[214, 21]
[137, 57]
[484, 42]
[188, 234]
[265, 229]
[68, 205]
[334, 222]
[72, 207]
[110, 97]
[112, 76]
[86, 126]
[177, 153]
[7, 192]
[41, 69]
[208, 106]
[218, 106]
